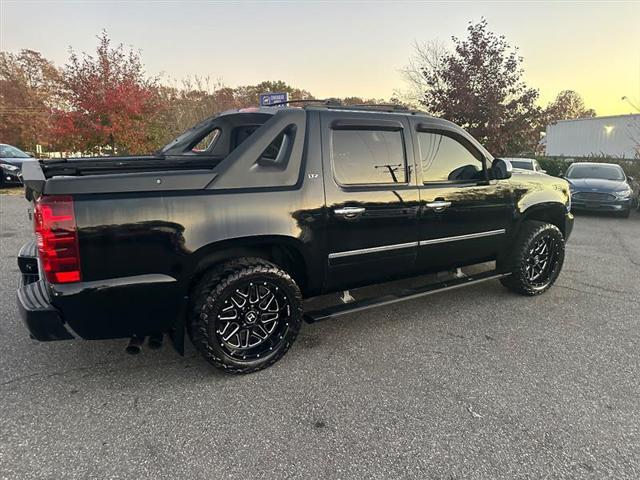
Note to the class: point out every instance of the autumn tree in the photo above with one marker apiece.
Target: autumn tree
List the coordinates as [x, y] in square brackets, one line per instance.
[111, 102]
[191, 100]
[479, 86]
[567, 105]
[30, 87]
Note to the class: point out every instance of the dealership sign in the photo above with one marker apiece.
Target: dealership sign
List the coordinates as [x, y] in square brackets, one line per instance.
[268, 99]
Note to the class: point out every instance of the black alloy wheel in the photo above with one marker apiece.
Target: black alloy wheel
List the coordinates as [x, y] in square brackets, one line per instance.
[252, 319]
[245, 314]
[535, 260]
[542, 261]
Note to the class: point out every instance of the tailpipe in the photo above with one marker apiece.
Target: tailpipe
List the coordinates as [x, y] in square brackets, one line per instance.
[135, 345]
[155, 341]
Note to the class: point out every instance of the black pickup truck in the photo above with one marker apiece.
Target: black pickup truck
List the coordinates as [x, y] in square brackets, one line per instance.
[227, 233]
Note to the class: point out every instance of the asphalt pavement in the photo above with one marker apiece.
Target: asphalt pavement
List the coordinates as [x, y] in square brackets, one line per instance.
[473, 383]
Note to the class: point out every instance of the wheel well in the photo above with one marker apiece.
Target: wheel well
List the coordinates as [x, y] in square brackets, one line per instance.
[287, 257]
[552, 215]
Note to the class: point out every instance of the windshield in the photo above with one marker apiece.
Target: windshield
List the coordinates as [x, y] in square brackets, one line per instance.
[7, 151]
[524, 165]
[604, 172]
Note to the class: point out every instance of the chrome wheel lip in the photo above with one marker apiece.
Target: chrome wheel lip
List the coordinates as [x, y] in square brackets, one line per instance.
[252, 319]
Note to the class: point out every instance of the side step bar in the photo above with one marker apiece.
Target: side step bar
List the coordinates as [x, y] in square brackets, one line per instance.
[314, 316]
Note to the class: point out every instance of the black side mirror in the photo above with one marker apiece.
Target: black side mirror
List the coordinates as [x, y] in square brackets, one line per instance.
[631, 178]
[501, 169]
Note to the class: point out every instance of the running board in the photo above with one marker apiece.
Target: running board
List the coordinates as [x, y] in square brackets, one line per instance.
[314, 316]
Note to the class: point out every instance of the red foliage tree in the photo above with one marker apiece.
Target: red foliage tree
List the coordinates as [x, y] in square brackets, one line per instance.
[479, 86]
[111, 102]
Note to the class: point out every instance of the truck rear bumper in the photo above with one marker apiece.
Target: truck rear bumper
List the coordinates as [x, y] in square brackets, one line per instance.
[34, 300]
[111, 308]
[41, 318]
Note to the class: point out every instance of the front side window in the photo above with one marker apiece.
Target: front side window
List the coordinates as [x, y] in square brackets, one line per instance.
[368, 157]
[445, 159]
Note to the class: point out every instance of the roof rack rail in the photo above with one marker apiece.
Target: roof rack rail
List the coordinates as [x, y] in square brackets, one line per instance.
[335, 103]
[324, 101]
[394, 106]
[378, 107]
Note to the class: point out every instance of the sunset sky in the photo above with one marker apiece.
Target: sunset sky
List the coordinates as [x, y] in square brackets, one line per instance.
[344, 48]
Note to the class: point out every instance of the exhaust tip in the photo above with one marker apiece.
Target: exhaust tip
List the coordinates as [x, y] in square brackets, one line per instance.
[155, 341]
[135, 346]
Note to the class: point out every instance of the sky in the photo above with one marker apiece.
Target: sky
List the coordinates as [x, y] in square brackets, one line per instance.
[339, 49]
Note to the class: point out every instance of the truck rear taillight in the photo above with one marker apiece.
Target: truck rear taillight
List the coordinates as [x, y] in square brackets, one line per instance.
[57, 237]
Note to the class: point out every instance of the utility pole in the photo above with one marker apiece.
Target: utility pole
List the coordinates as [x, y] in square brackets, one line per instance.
[628, 100]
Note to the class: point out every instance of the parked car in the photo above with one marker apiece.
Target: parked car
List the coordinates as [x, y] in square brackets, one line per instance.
[601, 187]
[225, 243]
[526, 164]
[11, 159]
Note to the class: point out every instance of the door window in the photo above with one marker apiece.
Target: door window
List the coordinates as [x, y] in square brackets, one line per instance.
[368, 157]
[444, 159]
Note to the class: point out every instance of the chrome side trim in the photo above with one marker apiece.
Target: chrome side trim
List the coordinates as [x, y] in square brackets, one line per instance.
[463, 237]
[362, 251]
[396, 246]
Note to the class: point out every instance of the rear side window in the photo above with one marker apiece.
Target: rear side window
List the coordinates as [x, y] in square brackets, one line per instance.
[445, 159]
[207, 142]
[368, 157]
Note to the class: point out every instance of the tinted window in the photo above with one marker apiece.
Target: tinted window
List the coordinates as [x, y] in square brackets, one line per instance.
[606, 172]
[444, 159]
[524, 165]
[368, 156]
[207, 142]
[278, 151]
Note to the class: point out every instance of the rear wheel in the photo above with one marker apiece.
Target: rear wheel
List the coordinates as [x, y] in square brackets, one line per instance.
[246, 314]
[536, 259]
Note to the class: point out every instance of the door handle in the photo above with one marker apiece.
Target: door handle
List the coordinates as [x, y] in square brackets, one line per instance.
[349, 212]
[438, 205]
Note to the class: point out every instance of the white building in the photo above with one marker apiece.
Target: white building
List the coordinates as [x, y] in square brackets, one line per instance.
[615, 136]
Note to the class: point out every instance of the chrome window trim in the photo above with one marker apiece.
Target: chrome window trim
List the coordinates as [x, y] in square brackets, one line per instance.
[362, 251]
[462, 237]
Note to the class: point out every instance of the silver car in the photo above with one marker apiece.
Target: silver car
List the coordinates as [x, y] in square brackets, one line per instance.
[530, 164]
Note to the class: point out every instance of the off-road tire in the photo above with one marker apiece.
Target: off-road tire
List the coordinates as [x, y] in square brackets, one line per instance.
[531, 232]
[207, 299]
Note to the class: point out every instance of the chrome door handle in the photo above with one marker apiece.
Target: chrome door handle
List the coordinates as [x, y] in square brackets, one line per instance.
[438, 205]
[349, 212]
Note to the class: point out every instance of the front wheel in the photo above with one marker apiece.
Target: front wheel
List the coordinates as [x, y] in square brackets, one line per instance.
[246, 314]
[536, 259]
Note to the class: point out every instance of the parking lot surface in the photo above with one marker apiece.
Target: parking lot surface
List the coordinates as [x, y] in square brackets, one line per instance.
[474, 383]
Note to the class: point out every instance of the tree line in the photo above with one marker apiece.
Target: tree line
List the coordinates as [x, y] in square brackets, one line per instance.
[105, 102]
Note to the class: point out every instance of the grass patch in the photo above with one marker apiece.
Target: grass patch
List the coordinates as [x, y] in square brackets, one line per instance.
[11, 191]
